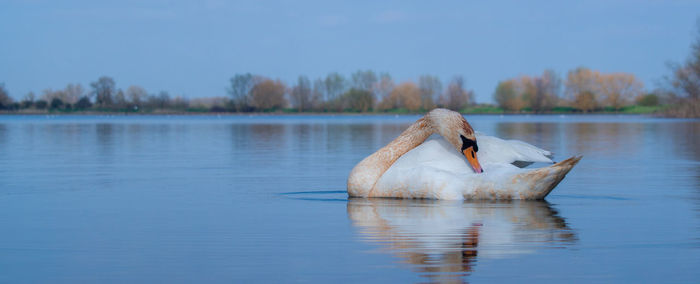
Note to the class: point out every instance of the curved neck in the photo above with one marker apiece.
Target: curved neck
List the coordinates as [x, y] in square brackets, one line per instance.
[366, 174]
[411, 138]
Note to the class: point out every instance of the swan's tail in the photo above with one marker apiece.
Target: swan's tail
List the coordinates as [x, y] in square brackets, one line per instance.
[540, 182]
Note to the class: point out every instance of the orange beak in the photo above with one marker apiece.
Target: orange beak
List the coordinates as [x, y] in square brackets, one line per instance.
[471, 157]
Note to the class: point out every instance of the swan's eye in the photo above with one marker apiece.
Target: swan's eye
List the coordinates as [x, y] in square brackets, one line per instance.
[466, 143]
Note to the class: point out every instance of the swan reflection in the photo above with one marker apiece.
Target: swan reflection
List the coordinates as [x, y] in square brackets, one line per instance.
[442, 240]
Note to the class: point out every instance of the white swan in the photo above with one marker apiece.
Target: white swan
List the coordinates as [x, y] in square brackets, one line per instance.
[409, 168]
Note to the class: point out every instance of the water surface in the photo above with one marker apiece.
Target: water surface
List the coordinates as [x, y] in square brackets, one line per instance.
[262, 198]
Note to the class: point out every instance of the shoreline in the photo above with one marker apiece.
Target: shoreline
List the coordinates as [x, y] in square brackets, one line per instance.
[282, 113]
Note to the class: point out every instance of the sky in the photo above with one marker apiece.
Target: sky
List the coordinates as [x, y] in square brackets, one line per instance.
[193, 48]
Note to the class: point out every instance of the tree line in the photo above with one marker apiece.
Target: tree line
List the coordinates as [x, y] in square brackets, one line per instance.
[103, 95]
[582, 90]
[363, 91]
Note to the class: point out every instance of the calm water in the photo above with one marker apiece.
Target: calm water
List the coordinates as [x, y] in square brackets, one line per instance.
[261, 199]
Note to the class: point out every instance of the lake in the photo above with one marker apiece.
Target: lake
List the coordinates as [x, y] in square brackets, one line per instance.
[262, 199]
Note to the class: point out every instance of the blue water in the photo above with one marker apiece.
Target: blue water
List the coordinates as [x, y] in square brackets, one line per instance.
[261, 199]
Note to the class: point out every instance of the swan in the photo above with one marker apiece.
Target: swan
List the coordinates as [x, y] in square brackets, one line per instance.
[411, 167]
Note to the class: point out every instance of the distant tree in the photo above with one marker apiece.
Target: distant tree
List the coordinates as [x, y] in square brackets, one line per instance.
[456, 97]
[507, 97]
[546, 91]
[28, 100]
[406, 95]
[178, 103]
[48, 95]
[240, 91]
[214, 104]
[619, 89]
[120, 99]
[83, 103]
[588, 89]
[72, 93]
[684, 83]
[41, 104]
[430, 90]
[471, 97]
[357, 100]
[364, 80]
[580, 80]
[301, 94]
[582, 88]
[335, 86]
[585, 101]
[648, 100]
[56, 103]
[538, 93]
[528, 90]
[152, 102]
[136, 95]
[68, 96]
[103, 89]
[383, 88]
[268, 95]
[5, 99]
[164, 99]
[317, 94]
[685, 78]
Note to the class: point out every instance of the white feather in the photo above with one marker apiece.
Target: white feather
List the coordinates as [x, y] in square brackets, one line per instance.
[497, 150]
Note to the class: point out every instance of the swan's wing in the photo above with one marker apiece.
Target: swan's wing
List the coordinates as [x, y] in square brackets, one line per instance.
[497, 150]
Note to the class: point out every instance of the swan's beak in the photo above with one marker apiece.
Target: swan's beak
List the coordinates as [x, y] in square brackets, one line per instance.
[471, 157]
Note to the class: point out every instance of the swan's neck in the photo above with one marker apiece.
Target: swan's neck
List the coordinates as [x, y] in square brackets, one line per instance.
[365, 175]
[416, 134]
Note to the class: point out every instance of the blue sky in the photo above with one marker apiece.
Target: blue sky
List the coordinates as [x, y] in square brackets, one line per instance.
[192, 48]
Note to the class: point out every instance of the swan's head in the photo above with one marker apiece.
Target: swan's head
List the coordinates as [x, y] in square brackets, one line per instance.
[455, 129]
